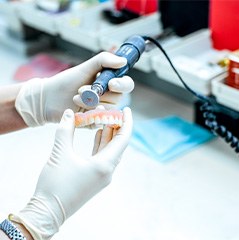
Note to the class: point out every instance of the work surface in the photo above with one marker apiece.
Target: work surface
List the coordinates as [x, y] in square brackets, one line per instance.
[194, 197]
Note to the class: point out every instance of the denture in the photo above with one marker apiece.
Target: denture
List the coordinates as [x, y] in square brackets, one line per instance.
[112, 118]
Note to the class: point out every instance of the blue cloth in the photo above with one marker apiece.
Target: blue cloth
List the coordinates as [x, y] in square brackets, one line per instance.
[166, 138]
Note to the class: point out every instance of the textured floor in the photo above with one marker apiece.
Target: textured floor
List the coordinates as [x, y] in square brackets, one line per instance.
[194, 197]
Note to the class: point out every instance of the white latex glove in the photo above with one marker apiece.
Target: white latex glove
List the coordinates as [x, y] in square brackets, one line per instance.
[44, 100]
[68, 180]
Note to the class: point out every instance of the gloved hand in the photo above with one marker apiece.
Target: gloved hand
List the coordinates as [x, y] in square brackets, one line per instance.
[68, 180]
[44, 100]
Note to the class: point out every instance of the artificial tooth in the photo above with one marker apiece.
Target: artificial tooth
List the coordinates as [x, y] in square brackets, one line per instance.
[111, 120]
[83, 122]
[116, 120]
[91, 120]
[97, 120]
[104, 120]
[120, 122]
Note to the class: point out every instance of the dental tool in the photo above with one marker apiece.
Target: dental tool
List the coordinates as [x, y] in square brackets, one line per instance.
[131, 49]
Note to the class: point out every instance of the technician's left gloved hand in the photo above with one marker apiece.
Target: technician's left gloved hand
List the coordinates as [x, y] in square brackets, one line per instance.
[44, 100]
[69, 180]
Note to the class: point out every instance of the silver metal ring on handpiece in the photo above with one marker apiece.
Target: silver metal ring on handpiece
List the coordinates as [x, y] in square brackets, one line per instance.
[90, 98]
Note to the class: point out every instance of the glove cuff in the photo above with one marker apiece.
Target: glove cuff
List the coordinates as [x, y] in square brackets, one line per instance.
[30, 228]
[29, 103]
[40, 220]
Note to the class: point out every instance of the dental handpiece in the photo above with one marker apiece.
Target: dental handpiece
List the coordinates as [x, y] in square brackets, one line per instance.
[131, 49]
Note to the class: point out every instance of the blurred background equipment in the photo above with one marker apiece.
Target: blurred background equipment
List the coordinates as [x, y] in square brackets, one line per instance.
[233, 70]
[125, 10]
[53, 6]
[185, 16]
[224, 19]
[40, 66]
[142, 7]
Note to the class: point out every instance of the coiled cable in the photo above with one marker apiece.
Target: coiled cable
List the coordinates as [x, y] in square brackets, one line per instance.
[208, 108]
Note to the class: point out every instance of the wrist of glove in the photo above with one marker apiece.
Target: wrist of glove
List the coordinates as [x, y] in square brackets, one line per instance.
[30, 103]
[42, 217]
[69, 180]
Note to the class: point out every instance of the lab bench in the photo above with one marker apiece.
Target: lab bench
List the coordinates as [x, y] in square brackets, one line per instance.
[192, 197]
[88, 31]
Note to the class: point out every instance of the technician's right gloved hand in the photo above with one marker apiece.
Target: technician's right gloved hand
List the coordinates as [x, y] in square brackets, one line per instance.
[42, 101]
[68, 180]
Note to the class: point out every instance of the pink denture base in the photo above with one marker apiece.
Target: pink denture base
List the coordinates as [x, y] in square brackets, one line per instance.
[112, 118]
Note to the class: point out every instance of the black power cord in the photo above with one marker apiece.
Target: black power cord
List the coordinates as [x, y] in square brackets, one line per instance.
[208, 108]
